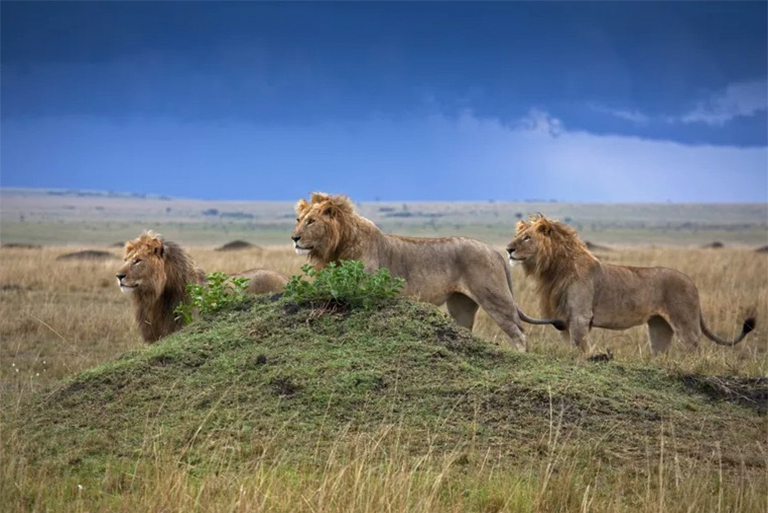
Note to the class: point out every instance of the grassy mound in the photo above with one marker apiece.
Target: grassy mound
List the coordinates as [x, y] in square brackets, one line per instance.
[277, 375]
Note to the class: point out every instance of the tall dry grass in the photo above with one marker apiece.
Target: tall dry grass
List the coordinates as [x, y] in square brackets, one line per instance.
[381, 472]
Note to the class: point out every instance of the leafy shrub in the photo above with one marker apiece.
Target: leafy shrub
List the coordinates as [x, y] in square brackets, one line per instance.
[219, 293]
[346, 284]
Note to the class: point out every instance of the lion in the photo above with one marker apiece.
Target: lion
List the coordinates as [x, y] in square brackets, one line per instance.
[156, 273]
[263, 281]
[462, 273]
[583, 291]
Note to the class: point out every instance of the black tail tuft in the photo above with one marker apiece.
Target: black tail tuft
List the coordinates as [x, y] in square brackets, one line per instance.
[560, 325]
[749, 325]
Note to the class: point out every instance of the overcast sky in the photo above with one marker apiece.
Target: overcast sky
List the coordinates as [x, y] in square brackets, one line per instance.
[603, 101]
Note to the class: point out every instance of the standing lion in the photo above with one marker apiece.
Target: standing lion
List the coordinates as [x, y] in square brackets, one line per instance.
[463, 273]
[575, 286]
[156, 273]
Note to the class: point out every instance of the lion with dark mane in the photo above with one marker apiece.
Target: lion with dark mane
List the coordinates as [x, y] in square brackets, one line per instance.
[156, 273]
[577, 287]
[463, 273]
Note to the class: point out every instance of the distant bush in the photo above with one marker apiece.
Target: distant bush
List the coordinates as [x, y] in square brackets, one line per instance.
[220, 293]
[211, 212]
[347, 284]
[237, 215]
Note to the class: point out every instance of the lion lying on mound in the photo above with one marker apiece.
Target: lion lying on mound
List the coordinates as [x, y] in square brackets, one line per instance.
[464, 273]
[156, 273]
[575, 286]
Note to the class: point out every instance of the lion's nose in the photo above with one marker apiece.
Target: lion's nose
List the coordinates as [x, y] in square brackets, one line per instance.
[120, 276]
[510, 249]
[295, 238]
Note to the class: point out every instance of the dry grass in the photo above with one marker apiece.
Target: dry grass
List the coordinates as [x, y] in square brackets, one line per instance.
[57, 318]
[376, 473]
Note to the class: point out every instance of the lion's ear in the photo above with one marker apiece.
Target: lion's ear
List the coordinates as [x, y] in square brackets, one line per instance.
[342, 203]
[301, 207]
[318, 197]
[156, 246]
[544, 226]
[330, 209]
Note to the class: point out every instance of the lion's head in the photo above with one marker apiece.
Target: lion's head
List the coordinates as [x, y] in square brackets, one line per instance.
[144, 269]
[324, 227]
[544, 246]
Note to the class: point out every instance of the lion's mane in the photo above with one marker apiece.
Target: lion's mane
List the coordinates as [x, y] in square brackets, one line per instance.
[164, 286]
[561, 259]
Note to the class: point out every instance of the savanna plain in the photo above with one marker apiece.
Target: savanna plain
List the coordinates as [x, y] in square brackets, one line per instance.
[271, 408]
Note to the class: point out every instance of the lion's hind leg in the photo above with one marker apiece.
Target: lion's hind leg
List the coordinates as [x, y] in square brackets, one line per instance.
[660, 334]
[509, 322]
[462, 309]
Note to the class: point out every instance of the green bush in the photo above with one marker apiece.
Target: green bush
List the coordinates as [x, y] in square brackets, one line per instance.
[346, 283]
[219, 293]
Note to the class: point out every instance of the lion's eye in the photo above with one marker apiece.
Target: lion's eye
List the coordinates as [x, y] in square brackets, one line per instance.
[527, 237]
[136, 261]
[310, 221]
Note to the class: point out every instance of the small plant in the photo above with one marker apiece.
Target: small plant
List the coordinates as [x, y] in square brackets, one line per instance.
[219, 293]
[346, 283]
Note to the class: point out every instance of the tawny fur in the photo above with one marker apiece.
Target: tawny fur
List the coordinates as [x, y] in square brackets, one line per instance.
[156, 272]
[464, 273]
[263, 281]
[575, 286]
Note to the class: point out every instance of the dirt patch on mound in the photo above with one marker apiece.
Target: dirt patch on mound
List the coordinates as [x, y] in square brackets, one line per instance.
[714, 245]
[237, 245]
[88, 254]
[751, 392]
[762, 249]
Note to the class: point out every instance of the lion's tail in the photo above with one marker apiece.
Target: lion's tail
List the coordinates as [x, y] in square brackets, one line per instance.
[558, 324]
[749, 325]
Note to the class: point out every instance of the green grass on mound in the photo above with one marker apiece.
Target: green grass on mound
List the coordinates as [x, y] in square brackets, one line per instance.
[276, 376]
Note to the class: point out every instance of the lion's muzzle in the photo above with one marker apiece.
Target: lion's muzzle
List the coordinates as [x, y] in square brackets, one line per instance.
[123, 286]
[300, 250]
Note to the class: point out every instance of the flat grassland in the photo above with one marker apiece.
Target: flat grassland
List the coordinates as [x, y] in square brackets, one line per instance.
[55, 217]
[58, 318]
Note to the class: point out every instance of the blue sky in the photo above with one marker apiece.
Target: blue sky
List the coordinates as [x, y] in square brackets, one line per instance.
[574, 101]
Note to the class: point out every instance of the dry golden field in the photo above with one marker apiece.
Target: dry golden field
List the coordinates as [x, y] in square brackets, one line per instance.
[59, 317]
